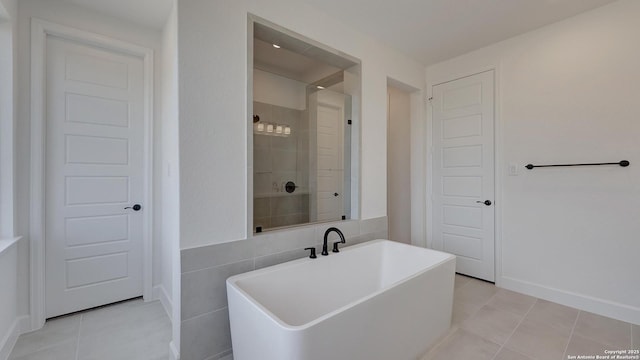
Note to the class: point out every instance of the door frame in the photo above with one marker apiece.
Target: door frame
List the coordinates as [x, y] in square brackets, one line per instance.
[498, 157]
[40, 29]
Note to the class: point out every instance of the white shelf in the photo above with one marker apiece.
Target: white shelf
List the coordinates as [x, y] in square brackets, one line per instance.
[279, 194]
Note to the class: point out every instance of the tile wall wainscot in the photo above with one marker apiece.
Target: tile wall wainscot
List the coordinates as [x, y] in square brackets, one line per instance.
[205, 331]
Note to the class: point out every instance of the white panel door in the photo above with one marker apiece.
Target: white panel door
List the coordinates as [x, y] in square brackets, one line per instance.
[94, 170]
[330, 175]
[463, 173]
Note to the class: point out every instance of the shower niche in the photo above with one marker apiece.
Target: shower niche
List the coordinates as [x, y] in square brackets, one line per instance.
[302, 130]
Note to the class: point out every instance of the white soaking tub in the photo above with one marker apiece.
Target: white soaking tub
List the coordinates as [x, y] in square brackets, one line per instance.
[379, 300]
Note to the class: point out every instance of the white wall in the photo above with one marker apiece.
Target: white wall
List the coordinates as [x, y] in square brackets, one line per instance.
[568, 93]
[8, 9]
[81, 18]
[8, 304]
[10, 325]
[7, 115]
[213, 108]
[277, 90]
[399, 165]
[170, 228]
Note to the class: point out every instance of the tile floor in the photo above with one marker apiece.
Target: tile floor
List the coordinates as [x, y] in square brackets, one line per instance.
[132, 330]
[497, 324]
[488, 323]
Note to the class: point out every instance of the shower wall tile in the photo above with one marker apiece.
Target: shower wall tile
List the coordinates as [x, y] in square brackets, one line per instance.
[283, 160]
[264, 222]
[261, 207]
[262, 183]
[263, 161]
[261, 143]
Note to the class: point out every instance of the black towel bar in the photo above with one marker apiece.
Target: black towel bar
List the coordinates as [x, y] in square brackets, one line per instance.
[623, 163]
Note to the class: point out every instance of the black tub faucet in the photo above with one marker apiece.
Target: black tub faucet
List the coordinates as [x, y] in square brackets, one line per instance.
[325, 252]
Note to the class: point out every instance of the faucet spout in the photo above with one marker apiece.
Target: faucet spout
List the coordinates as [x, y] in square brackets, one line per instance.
[325, 251]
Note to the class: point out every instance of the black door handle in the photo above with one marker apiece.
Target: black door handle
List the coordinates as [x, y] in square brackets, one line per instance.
[135, 207]
[486, 202]
[335, 194]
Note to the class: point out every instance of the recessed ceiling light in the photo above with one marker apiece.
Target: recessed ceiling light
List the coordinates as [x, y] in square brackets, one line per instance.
[276, 46]
[320, 87]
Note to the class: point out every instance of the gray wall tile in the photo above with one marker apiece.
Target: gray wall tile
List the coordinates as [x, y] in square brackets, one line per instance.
[349, 228]
[205, 290]
[205, 335]
[215, 255]
[280, 241]
[274, 259]
[373, 225]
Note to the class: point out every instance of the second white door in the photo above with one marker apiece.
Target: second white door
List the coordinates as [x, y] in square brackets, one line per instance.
[327, 155]
[94, 176]
[463, 173]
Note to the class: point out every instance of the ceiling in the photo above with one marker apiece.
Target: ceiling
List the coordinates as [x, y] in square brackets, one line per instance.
[295, 58]
[427, 30]
[434, 30]
[148, 13]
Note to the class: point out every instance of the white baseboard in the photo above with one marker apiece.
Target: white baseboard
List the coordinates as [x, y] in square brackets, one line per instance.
[174, 354]
[595, 305]
[159, 293]
[19, 326]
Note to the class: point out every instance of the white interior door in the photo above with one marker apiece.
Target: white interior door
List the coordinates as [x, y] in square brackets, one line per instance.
[329, 155]
[463, 173]
[94, 170]
[330, 169]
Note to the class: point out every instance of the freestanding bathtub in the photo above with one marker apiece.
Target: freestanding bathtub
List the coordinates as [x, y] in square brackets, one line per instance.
[379, 300]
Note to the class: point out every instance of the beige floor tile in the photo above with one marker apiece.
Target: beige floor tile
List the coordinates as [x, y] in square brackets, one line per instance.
[553, 315]
[54, 332]
[441, 339]
[463, 345]
[128, 330]
[121, 316]
[461, 280]
[506, 354]
[512, 301]
[475, 292]
[538, 341]
[461, 312]
[65, 350]
[139, 331]
[492, 324]
[604, 330]
[635, 337]
[579, 345]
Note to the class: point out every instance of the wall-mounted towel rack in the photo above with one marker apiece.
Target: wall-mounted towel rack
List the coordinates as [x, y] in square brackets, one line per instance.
[623, 163]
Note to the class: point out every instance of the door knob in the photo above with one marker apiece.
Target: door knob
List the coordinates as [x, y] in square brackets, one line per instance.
[135, 207]
[486, 202]
[335, 194]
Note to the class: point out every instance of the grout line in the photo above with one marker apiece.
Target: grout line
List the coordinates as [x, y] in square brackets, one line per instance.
[514, 331]
[452, 330]
[78, 341]
[573, 328]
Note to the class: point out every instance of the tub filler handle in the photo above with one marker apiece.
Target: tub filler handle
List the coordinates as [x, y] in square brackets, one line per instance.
[313, 252]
